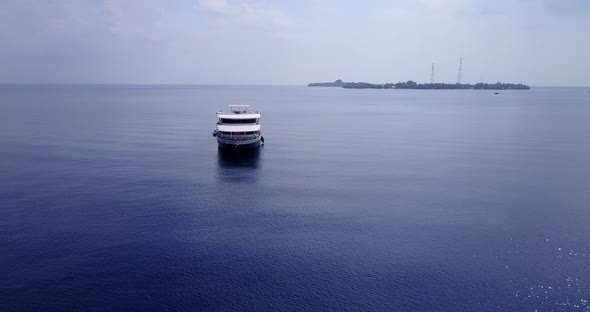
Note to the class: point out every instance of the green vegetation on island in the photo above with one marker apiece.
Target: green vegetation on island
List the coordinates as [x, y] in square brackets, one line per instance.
[366, 85]
[337, 83]
[423, 86]
[455, 86]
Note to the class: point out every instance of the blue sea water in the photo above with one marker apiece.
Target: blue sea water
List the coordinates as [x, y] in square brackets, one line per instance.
[115, 198]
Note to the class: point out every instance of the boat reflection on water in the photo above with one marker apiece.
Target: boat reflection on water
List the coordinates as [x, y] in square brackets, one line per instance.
[238, 158]
[236, 166]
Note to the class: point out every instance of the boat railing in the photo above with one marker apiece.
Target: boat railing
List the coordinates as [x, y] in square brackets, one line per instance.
[239, 137]
[238, 111]
[238, 123]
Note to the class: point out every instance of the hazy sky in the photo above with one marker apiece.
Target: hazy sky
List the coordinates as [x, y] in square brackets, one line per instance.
[538, 42]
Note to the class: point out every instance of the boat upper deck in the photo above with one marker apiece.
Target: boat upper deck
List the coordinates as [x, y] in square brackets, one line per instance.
[238, 112]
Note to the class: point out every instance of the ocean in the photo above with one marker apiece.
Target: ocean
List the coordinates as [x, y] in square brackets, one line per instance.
[115, 198]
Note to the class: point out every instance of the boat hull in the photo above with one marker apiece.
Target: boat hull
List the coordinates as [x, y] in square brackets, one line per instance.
[239, 145]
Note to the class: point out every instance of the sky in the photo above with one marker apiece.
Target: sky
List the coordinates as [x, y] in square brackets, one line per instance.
[537, 42]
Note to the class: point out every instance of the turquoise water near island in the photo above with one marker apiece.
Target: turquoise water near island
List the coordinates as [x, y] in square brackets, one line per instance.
[116, 198]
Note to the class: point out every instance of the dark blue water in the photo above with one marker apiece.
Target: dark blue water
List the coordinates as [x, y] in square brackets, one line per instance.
[115, 198]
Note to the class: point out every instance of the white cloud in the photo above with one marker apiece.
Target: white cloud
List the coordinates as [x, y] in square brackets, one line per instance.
[247, 13]
[217, 6]
[438, 5]
[134, 18]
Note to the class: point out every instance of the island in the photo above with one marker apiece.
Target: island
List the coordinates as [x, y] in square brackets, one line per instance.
[337, 83]
[423, 86]
[366, 85]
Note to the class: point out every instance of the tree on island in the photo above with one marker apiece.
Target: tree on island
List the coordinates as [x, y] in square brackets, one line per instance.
[337, 83]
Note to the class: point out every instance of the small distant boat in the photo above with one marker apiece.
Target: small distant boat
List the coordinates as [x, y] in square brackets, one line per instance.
[496, 93]
[238, 128]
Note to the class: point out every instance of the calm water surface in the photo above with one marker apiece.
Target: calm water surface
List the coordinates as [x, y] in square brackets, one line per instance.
[115, 198]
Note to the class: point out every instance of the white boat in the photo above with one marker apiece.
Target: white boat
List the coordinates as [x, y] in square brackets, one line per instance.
[238, 128]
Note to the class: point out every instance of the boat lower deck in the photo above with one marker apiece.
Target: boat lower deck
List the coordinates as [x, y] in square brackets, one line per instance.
[237, 144]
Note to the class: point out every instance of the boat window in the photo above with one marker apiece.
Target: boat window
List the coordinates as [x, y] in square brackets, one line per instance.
[239, 132]
[237, 121]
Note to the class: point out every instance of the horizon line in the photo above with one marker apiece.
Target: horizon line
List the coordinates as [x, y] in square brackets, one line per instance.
[208, 84]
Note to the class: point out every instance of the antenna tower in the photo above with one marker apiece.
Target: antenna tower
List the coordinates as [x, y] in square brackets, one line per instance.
[432, 74]
[460, 74]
